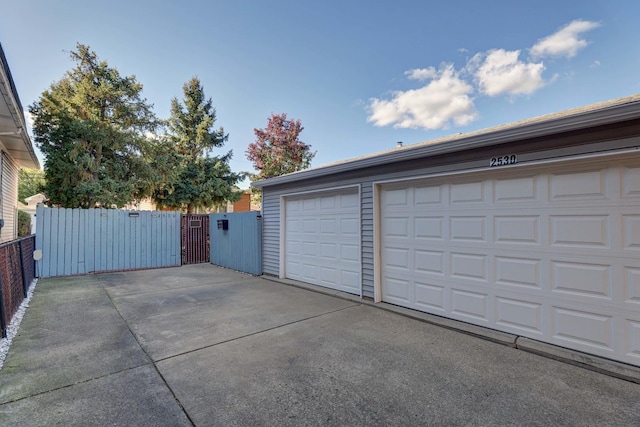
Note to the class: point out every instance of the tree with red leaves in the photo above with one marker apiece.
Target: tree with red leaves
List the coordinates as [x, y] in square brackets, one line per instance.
[277, 149]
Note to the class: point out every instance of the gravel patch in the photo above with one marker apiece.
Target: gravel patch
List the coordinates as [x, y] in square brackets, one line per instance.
[12, 329]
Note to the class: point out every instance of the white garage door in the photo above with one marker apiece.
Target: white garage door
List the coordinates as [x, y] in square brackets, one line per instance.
[550, 254]
[322, 239]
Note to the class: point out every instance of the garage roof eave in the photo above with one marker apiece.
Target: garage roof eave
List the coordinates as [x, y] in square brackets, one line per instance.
[617, 110]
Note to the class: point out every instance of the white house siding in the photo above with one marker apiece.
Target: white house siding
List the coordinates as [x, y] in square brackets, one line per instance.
[9, 176]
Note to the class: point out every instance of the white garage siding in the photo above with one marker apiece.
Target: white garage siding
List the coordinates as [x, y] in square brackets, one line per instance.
[322, 239]
[550, 253]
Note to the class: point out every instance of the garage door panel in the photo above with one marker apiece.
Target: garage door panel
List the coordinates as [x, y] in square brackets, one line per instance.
[519, 316]
[323, 239]
[430, 297]
[633, 338]
[469, 266]
[397, 258]
[518, 272]
[398, 290]
[579, 185]
[631, 231]
[328, 250]
[516, 189]
[429, 262]
[553, 256]
[591, 330]
[426, 196]
[395, 198]
[429, 227]
[580, 279]
[466, 304]
[350, 280]
[632, 285]
[349, 201]
[309, 205]
[350, 226]
[349, 252]
[468, 228]
[329, 226]
[580, 230]
[630, 188]
[517, 229]
[468, 192]
[396, 227]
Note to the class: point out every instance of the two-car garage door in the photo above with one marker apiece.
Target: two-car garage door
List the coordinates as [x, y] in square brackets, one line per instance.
[552, 254]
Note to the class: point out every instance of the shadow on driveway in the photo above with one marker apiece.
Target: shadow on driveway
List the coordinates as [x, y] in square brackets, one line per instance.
[201, 345]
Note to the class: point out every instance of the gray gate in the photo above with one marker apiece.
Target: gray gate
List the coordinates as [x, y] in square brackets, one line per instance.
[80, 241]
[236, 241]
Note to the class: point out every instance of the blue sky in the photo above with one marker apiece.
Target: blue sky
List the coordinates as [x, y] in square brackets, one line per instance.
[359, 75]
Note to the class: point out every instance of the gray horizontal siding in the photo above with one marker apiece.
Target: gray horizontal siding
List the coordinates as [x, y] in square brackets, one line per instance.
[271, 233]
[366, 235]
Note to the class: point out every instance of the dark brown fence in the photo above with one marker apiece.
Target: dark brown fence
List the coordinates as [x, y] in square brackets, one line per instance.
[17, 271]
[195, 239]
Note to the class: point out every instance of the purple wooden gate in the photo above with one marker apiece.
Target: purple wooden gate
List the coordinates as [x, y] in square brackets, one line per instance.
[195, 239]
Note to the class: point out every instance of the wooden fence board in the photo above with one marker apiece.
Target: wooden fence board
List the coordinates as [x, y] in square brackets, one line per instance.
[80, 241]
[240, 246]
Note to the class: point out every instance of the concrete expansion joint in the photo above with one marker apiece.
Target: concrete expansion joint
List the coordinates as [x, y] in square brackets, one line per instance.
[85, 381]
[255, 333]
[150, 359]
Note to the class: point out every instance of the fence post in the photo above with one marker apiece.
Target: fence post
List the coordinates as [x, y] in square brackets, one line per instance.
[24, 278]
[3, 320]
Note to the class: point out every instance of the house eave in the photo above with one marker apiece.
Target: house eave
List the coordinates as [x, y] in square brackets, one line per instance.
[605, 113]
[14, 138]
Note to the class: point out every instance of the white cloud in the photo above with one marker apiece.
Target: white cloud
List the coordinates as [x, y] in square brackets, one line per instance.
[29, 117]
[421, 73]
[445, 99]
[499, 72]
[565, 42]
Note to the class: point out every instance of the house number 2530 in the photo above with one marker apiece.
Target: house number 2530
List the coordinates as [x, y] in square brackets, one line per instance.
[503, 160]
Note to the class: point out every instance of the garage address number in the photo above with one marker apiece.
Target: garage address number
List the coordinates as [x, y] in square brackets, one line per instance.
[511, 159]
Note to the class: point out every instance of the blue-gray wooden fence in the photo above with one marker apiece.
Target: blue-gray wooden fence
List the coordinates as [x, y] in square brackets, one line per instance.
[240, 246]
[80, 241]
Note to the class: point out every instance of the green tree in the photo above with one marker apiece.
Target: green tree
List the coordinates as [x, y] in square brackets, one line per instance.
[195, 178]
[30, 182]
[91, 126]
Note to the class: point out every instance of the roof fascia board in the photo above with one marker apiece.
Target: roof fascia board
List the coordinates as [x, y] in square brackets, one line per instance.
[553, 125]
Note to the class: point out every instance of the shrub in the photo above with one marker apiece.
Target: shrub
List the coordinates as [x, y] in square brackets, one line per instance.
[24, 224]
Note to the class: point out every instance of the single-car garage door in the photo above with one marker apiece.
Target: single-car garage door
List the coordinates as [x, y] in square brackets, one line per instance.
[322, 239]
[551, 253]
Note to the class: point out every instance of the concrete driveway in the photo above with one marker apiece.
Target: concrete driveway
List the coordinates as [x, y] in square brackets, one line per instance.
[200, 345]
